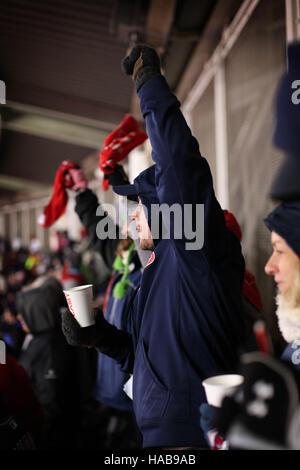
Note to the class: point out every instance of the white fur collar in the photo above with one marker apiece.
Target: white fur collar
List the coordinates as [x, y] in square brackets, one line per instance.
[288, 320]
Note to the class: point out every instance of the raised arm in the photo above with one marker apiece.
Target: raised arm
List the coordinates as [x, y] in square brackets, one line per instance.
[183, 176]
[86, 208]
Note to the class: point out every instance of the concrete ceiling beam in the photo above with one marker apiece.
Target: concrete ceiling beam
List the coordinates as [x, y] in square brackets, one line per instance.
[54, 125]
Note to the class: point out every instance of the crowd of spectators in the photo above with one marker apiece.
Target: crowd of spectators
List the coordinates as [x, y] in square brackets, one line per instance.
[47, 388]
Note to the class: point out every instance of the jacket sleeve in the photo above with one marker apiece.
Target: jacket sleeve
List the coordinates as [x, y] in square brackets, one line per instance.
[119, 346]
[182, 175]
[86, 208]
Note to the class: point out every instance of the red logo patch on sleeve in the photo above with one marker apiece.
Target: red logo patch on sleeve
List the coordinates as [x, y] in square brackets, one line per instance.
[151, 259]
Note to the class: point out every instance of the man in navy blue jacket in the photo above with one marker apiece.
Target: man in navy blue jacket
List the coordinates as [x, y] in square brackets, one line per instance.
[187, 317]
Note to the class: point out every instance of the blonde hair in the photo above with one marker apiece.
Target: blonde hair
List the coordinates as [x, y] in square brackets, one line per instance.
[291, 298]
[288, 310]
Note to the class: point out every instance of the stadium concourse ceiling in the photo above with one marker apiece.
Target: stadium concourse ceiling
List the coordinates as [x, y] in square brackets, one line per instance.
[60, 61]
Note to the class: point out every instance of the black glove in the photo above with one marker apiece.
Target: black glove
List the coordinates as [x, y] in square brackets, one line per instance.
[118, 177]
[142, 63]
[208, 420]
[88, 336]
[106, 338]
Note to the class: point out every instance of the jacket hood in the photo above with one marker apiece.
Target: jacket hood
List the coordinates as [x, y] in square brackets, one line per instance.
[40, 306]
[144, 187]
[146, 190]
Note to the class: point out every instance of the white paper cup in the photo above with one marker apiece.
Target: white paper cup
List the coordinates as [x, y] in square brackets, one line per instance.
[80, 302]
[219, 386]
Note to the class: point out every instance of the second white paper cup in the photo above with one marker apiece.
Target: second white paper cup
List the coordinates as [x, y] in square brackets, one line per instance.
[219, 386]
[80, 302]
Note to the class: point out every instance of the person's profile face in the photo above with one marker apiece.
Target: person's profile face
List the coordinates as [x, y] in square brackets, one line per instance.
[142, 228]
[283, 264]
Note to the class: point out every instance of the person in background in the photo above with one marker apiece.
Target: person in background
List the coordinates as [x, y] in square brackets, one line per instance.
[284, 266]
[50, 363]
[71, 275]
[13, 435]
[11, 330]
[21, 415]
[121, 258]
[268, 416]
[286, 186]
[252, 302]
[253, 311]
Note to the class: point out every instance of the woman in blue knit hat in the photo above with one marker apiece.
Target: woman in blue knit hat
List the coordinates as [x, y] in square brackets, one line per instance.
[284, 265]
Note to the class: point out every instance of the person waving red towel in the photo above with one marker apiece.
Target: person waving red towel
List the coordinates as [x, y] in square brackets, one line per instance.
[58, 202]
[118, 144]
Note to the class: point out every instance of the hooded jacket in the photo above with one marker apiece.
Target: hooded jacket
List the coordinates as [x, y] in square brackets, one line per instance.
[187, 318]
[40, 305]
[51, 363]
[23, 406]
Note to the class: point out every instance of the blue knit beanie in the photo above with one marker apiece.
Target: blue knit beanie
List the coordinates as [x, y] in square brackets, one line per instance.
[285, 221]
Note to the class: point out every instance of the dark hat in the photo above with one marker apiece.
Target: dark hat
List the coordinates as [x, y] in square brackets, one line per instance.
[125, 190]
[286, 186]
[285, 221]
[143, 186]
[287, 128]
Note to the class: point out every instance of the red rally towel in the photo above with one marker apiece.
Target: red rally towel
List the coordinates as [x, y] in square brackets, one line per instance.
[59, 199]
[232, 224]
[118, 144]
[250, 289]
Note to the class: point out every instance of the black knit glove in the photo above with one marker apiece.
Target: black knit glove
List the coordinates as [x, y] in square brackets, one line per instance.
[88, 336]
[142, 63]
[106, 338]
[118, 177]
